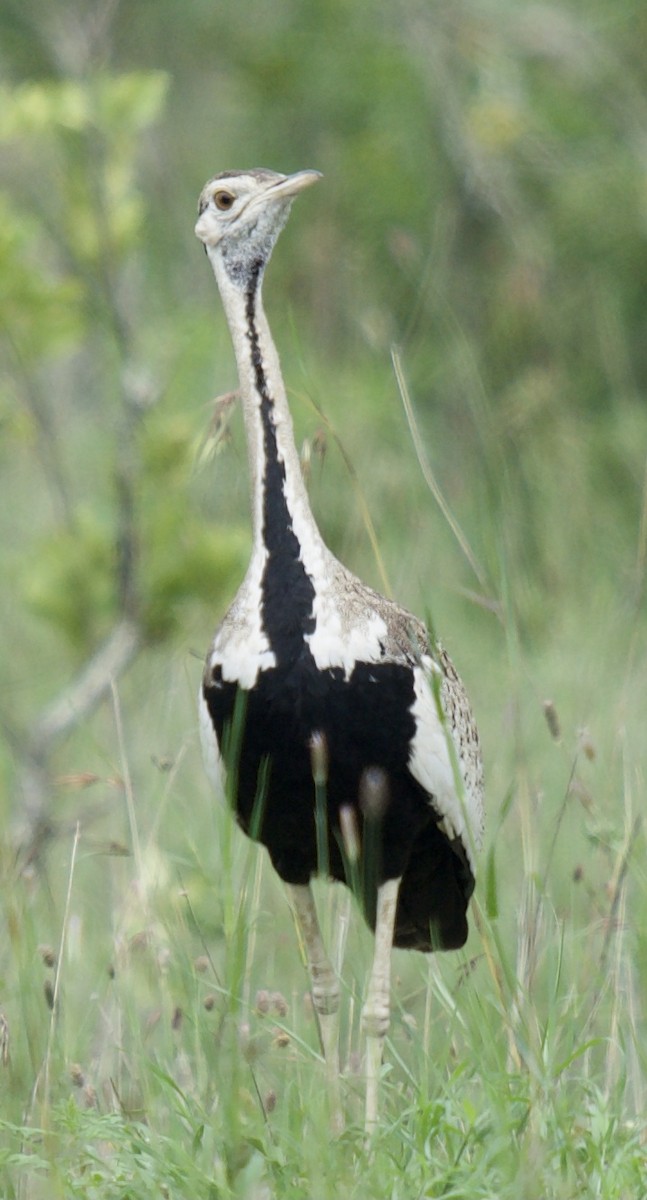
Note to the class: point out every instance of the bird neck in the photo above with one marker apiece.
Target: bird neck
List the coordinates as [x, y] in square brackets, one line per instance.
[288, 551]
[274, 466]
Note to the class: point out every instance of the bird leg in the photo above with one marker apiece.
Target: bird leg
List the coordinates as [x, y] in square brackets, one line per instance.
[376, 1012]
[325, 992]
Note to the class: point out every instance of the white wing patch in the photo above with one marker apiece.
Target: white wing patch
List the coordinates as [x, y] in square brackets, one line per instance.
[240, 646]
[241, 659]
[430, 762]
[335, 643]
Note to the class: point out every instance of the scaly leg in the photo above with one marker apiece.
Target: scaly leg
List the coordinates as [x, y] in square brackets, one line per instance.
[325, 993]
[377, 1007]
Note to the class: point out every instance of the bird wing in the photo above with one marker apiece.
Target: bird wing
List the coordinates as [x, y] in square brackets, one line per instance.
[445, 756]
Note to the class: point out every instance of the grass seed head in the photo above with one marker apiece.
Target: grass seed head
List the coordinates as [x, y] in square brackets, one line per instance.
[552, 720]
[262, 1002]
[48, 956]
[279, 1004]
[350, 833]
[76, 1075]
[373, 793]
[319, 758]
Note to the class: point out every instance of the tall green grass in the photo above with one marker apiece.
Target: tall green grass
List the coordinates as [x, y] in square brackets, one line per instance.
[161, 1040]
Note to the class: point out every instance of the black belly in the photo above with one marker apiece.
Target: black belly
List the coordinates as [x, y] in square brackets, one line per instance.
[265, 738]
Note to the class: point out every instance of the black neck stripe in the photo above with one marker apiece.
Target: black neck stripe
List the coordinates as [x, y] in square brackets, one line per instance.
[287, 590]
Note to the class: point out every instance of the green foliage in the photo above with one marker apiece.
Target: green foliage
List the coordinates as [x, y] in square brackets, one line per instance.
[40, 313]
[67, 580]
[93, 215]
[188, 563]
[98, 207]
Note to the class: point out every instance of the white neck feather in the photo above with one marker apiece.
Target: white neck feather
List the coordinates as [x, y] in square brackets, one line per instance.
[304, 525]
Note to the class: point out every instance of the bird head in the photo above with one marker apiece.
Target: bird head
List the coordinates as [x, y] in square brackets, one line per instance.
[241, 214]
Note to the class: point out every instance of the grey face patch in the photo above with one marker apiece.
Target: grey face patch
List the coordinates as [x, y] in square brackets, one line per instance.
[245, 256]
[242, 266]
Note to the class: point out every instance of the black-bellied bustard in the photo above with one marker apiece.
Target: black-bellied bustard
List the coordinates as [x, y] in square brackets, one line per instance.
[316, 668]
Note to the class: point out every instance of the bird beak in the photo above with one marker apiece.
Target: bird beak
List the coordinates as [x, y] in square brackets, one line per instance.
[292, 184]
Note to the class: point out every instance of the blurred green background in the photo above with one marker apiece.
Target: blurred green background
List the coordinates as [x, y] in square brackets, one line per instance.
[483, 220]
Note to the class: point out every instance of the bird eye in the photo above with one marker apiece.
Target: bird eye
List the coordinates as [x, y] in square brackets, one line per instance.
[223, 200]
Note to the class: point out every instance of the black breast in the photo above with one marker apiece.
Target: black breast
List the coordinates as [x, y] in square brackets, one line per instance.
[366, 721]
